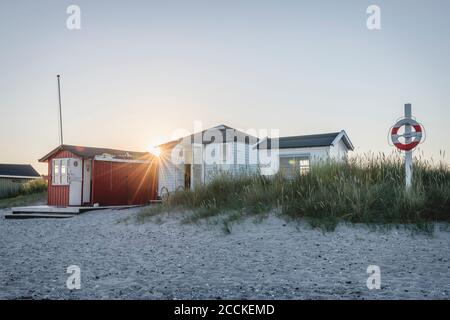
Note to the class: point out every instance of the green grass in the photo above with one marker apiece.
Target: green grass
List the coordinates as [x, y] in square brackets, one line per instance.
[367, 189]
[31, 192]
[34, 186]
[22, 200]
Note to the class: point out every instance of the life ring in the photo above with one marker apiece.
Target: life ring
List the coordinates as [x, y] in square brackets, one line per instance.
[415, 135]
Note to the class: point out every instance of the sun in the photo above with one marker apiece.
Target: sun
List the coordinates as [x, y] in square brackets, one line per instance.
[154, 150]
[153, 147]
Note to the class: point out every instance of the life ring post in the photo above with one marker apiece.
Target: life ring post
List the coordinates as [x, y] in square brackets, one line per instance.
[412, 136]
[408, 153]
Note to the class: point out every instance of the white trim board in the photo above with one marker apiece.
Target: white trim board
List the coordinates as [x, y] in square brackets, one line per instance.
[19, 177]
[110, 159]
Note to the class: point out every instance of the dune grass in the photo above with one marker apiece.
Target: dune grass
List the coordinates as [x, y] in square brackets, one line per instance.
[367, 189]
[22, 200]
[30, 192]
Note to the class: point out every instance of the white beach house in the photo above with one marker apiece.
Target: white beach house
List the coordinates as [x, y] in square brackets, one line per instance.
[197, 158]
[295, 154]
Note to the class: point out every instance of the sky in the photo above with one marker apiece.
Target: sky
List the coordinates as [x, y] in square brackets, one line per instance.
[137, 71]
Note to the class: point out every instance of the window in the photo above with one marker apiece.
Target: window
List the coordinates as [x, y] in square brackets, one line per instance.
[290, 166]
[55, 173]
[304, 165]
[63, 172]
[247, 152]
[224, 152]
[60, 172]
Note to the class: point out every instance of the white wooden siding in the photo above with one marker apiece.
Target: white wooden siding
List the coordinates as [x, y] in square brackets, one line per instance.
[170, 176]
[241, 158]
[339, 151]
[237, 161]
[316, 155]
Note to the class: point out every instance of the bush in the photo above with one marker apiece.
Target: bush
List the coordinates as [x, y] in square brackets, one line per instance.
[33, 186]
[29, 193]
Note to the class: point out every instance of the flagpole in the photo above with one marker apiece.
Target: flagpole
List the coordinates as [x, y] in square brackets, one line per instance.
[60, 112]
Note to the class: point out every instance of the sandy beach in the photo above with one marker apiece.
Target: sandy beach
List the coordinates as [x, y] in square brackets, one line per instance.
[166, 259]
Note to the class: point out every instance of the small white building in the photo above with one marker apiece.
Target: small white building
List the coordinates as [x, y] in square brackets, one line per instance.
[291, 155]
[196, 159]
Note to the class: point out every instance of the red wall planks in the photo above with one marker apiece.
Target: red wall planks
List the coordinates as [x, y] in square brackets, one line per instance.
[123, 183]
[113, 183]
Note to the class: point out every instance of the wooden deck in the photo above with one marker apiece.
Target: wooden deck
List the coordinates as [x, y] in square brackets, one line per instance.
[37, 215]
[56, 212]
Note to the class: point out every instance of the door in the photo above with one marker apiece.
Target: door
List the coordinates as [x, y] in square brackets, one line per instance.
[87, 165]
[187, 176]
[75, 181]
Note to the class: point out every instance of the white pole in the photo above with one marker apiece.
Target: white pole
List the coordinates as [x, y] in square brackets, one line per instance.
[408, 154]
[60, 112]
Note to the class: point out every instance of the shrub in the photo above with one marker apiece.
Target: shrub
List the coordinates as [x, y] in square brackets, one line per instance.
[34, 186]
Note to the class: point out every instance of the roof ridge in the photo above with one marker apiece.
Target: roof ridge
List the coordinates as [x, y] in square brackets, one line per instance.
[90, 152]
[18, 169]
[308, 135]
[104, 148]
[237, 131]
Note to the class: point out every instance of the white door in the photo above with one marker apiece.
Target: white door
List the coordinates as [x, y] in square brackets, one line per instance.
[87, 181]
[75, 181]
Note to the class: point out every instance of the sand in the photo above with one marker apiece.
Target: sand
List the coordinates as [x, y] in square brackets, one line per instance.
[167, 259]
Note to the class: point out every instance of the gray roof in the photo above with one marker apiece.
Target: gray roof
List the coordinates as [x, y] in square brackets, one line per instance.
[306, 141]
[18, 170]
[207, 136]
[91, 152]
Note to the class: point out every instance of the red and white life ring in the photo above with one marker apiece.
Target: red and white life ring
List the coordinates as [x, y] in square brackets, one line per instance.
[415, 135]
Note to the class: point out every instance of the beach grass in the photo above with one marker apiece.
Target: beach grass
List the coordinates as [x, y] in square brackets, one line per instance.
[22, 200]
[29, 193]
[368, 189]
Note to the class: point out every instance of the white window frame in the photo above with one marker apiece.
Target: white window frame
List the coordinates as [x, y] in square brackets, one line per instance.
[58, 177]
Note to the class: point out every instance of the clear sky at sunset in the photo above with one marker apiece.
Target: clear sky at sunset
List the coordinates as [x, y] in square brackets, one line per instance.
[138, 70]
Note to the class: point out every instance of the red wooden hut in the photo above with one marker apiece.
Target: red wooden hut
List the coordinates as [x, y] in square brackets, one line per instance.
[86, 176]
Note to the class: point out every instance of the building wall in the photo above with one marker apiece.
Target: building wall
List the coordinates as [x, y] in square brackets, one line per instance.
[113, 183]
[170, 175]
[238, 160]
[270, 159]
[58, 195]
[123, 183]
[10, 186]
[339, 151]
[241, 159]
